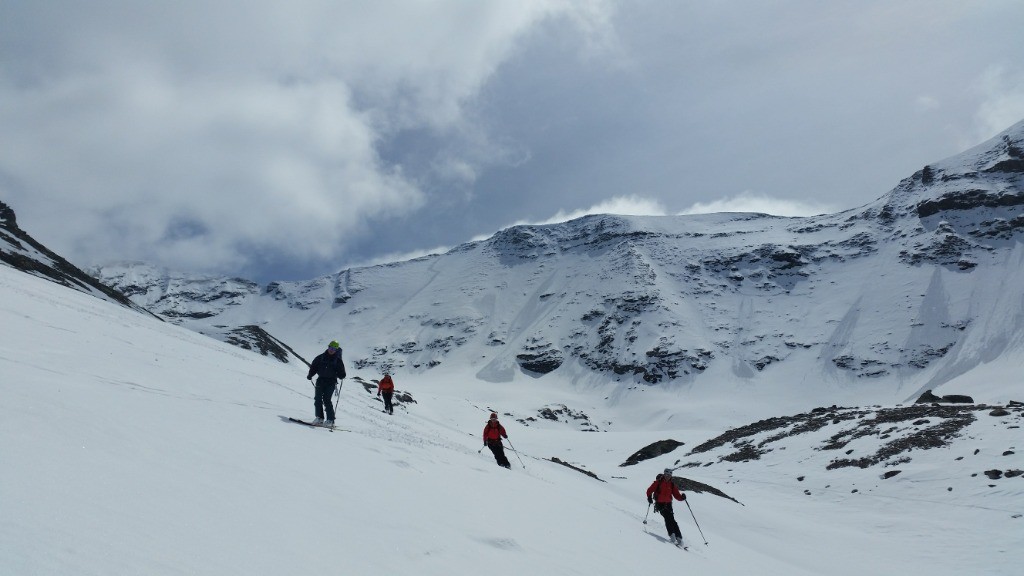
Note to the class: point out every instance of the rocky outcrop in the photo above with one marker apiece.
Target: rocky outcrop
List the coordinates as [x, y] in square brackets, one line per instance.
[20, 251]
[929, 397]
[254, 338]
[883, 436]
[652, 450]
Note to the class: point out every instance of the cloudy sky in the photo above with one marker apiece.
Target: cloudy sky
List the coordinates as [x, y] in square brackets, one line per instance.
[285, 140]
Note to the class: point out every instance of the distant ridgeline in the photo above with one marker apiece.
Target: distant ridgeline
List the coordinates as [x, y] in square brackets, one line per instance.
[904, 292]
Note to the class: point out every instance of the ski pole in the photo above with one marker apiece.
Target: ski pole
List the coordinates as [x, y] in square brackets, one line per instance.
[695, 522]
[339, 396]
[648, 512]
[516, 452]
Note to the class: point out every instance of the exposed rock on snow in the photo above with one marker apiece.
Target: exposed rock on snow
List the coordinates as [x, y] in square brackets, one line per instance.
[557, 460]
[652, 450]
[885, 436]
[929, 397]
[562, 413]
[255, 338]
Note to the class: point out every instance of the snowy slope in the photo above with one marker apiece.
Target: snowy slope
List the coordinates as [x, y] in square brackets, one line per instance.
[133, 446]
[916, 291]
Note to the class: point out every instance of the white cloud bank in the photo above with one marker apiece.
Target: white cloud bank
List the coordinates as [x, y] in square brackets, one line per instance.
[1002, 100]
[206, 137]
[622, 205]
[761, 203]
[747, 201]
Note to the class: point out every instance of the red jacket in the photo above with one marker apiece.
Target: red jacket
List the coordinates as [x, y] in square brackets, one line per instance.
[494, 431]
[386, 384]
[664, 491]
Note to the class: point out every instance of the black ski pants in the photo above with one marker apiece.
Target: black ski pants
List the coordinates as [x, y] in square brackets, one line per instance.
[499, 453]
[387, 402]
[322, 398]
[670, 520]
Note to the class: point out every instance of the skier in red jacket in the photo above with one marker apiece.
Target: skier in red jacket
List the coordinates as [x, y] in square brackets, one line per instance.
[386, 388]
[493, 433]
[661, 492]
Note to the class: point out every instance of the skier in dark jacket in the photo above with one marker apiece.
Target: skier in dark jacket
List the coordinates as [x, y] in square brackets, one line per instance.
[493, 433]
[328, 368]
[661, 492]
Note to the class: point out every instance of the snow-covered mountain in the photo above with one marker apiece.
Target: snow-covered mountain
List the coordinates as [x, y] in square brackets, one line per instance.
[881, 303]
[766, 360]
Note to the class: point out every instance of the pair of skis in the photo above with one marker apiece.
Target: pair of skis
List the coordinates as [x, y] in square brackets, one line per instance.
[314, 425]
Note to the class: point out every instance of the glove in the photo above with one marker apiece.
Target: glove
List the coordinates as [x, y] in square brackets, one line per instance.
[684, 497]
[378, 394]
[309, 377]
[650, 501]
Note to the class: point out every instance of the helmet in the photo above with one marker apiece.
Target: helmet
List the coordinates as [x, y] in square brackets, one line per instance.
[334, 344]
[668, 472]
[494, 416]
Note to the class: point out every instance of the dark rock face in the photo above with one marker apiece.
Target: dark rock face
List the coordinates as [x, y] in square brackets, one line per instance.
[929, 398]
[541, 363]
[540, 357]
[969, 200]
[651, 451]
[254, 338]
[945, 250]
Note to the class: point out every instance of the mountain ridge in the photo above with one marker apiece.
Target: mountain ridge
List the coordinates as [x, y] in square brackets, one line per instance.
[658, 300]
[21, 251]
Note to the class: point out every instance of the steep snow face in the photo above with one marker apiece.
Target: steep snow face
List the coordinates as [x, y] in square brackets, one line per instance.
[907, 293]
[176, 296]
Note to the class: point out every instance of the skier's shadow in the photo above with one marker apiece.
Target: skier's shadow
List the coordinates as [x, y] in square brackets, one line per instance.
[288, 419]
[655, 536]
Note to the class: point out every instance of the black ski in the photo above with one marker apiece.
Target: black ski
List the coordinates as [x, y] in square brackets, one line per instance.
[312, 425]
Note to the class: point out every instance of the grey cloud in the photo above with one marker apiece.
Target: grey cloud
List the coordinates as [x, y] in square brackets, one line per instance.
[284, 139]
[221, 135]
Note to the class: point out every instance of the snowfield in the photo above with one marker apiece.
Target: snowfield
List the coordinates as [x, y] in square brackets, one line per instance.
[132, 446]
